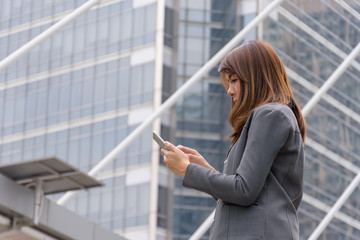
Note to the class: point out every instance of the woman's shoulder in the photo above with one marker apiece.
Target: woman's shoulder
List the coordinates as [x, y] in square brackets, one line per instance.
[273, 107]
[275, 110]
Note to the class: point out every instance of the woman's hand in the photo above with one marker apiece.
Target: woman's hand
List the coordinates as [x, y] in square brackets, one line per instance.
[195, 157]
[175, 159]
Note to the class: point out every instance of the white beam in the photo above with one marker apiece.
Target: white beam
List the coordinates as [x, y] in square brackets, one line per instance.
[331, 80]
[326, 208]
[297, 22]
[47, 33]
[311, 87]
[47, 20]
[332, 156]
[339, 203]
[203, 227]
[348, 8]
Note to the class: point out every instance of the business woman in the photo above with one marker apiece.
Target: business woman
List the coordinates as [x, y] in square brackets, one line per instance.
[261, 186]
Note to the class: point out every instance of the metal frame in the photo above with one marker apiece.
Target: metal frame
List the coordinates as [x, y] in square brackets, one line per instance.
[348, 8]
[331, 80]
[329, 216]
[203, 227]
[316, 36]
[47, 33]
[311, 87]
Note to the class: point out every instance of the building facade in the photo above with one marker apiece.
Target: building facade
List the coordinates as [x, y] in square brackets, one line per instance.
[81, 92]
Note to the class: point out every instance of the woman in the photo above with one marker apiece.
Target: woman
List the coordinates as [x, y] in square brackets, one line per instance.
[261, 187]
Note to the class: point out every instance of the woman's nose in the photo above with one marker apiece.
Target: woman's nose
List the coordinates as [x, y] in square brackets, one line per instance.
[230, 91]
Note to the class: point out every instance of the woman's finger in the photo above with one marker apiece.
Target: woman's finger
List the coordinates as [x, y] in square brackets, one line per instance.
[170, 146]
[164, 151]
[188, 150]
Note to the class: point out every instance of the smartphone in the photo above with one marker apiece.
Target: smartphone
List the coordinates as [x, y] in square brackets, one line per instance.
[159, 140]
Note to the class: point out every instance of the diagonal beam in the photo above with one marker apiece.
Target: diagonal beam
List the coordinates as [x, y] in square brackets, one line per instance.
[178, 94]
[331, 80]
[47, 33]
[326, 208]
[203, 227]
[47, 20]
[312, 88]
[311, 32]
[334, 210]
[332, 156]
[348, 8]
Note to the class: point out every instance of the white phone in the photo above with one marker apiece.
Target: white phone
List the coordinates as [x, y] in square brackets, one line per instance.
[159, 140]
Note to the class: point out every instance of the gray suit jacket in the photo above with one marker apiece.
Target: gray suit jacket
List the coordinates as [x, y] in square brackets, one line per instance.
[261, 187]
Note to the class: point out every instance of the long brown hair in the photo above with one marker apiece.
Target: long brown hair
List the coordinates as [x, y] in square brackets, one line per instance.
[262, 80]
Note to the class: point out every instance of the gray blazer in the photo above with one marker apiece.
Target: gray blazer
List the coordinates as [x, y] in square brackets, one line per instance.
[261, 187]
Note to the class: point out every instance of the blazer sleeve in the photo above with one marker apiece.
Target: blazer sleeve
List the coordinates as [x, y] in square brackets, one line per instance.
[267, 134]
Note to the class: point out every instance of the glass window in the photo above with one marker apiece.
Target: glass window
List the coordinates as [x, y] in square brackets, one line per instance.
[169, 27]
[73, 153]
[148, 81]
[5, 12]
[76, 88]
[126, 25]
[139, 21]
[194, 50]
[198, 4]
[111, 87]
[20, 109]
[88, 88]
[9, 113]
[114, 24]
[103, 30]
[84, 153]
[246, 19]
[99, 92]
[196, 15]
[109, 144]
[131, 206]
[96, 148]
[106, 205]
[162, 206]
[68, 39]
[94, 207]
[195, 30]
[78, 42]
[82, 205]
[150, 23]
[53, 102]
[64, 98]
[136, 84]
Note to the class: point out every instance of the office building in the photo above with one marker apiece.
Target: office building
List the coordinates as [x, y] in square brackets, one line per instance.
[81, 92]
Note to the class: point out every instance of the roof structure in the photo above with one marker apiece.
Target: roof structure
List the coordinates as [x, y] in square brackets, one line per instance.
[54, 221]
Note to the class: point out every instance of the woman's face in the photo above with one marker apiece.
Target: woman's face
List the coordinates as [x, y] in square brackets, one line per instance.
[234, 87]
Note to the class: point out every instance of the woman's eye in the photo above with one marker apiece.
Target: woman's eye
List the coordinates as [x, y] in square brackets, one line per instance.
[233, 80]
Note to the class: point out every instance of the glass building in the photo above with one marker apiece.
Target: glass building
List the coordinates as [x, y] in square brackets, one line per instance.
[81, 92]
